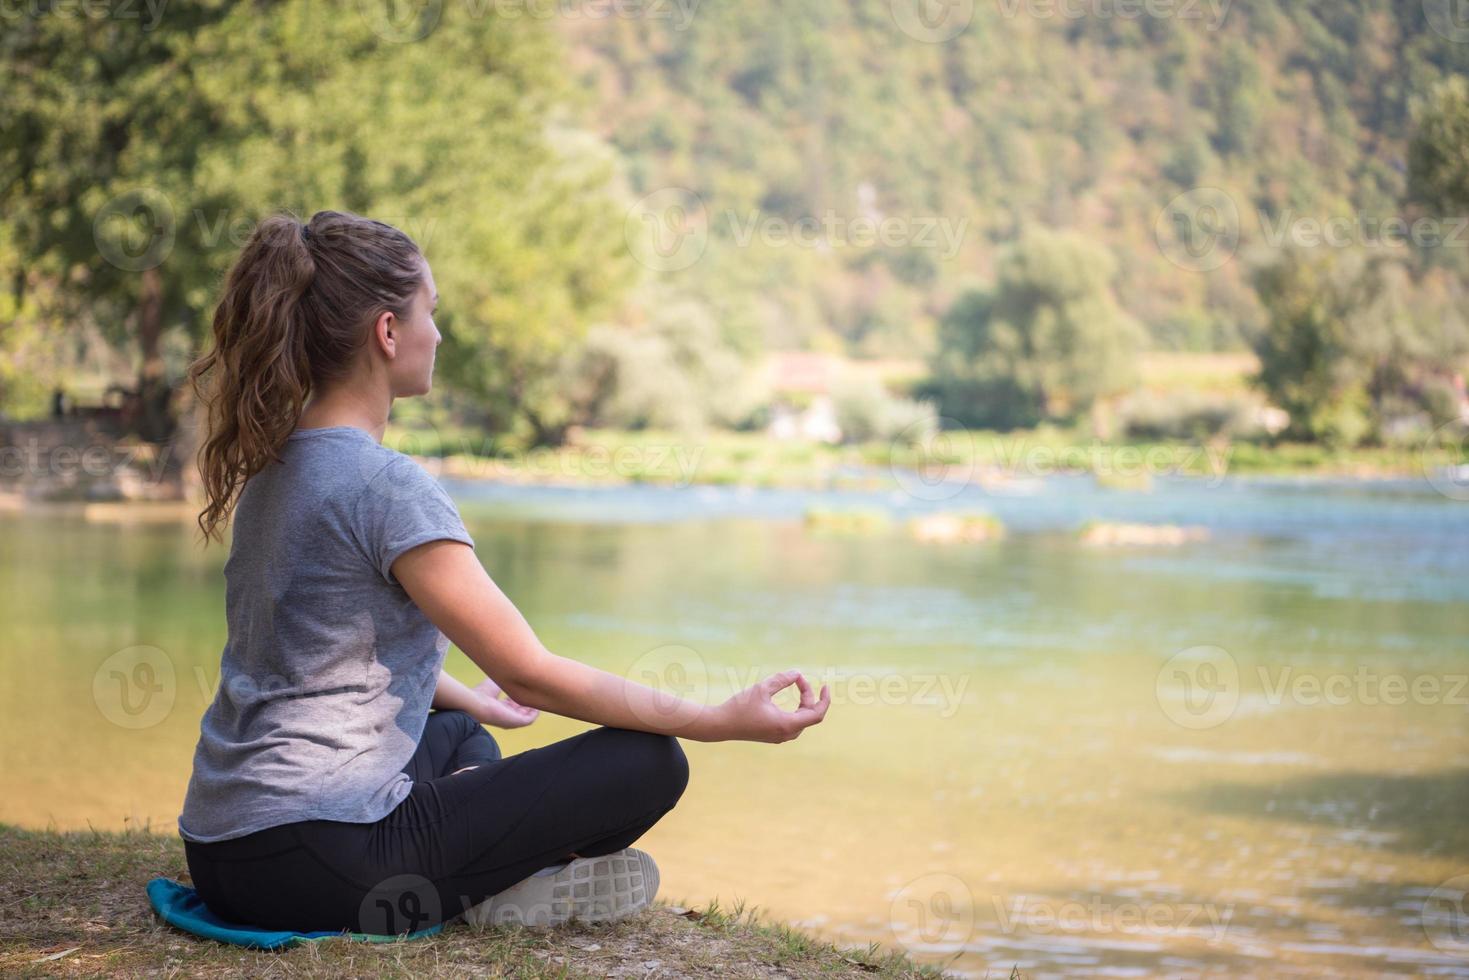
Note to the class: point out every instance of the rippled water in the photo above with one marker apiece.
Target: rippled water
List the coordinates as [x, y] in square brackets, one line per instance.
[1239, 757]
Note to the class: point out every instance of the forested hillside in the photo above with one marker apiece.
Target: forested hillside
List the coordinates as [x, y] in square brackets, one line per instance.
[1068, 115]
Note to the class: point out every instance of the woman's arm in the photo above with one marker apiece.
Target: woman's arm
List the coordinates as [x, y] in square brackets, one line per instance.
[452, 695]
[447, 582]
[481, 702]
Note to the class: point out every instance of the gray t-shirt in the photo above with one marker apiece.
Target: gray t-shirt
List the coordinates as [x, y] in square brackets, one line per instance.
[329, 668]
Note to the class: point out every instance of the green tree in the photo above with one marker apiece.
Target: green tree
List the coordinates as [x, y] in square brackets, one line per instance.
[1356, 345]
[1047, 343]
[1438, 157]
[671, 370]
[136, 162]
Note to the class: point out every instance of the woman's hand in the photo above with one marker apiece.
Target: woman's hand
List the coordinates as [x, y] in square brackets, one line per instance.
[502, 712]
[753, 716]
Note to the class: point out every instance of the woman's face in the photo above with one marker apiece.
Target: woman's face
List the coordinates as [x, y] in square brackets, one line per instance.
[417, 340]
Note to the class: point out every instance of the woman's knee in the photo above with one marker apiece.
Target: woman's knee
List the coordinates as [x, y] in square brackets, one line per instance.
[461, 733]
[660, 763]
[452, 722]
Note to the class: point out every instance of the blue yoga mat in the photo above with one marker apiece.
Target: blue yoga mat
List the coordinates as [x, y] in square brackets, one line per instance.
[180, 906]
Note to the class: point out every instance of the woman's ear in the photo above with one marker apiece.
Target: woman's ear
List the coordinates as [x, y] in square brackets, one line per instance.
[384, 332]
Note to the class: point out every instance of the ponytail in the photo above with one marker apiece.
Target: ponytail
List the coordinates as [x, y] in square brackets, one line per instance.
[297, 306]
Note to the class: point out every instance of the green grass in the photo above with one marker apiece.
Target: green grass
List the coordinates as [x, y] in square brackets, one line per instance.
[74, 905]
[753, 459]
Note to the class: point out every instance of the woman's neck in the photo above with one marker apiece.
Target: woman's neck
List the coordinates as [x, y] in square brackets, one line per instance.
[346, 408]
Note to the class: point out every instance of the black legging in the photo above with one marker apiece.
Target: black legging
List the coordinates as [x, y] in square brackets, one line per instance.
[455, 840]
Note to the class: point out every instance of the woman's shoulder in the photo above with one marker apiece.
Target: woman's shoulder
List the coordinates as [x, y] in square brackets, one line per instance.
[391, 475]
[353, 455]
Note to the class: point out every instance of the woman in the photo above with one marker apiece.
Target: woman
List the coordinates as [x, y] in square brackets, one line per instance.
[325, 795]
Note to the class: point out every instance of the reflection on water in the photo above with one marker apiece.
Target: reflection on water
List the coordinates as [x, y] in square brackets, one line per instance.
[1244, 757]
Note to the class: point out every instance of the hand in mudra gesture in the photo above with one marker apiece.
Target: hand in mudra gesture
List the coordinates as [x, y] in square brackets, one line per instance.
[753, 715]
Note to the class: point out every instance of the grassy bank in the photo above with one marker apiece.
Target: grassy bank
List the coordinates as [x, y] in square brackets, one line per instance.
[598, 457]
[74, 905]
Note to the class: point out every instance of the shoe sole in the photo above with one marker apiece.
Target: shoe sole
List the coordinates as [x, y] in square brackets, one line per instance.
[589, 889]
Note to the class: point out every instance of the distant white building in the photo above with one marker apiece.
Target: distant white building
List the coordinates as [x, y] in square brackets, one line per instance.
[802, 407]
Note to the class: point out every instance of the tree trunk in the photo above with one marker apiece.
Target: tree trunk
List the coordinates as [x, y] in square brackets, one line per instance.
[154, 421]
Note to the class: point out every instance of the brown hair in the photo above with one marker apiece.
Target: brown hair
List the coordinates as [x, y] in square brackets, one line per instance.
[297, 306]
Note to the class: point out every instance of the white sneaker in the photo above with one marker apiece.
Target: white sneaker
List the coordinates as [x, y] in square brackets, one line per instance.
[587, 889]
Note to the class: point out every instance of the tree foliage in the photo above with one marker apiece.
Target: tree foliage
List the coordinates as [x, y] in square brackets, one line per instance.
[1083, 121]
[1358, 345]
[1046, 343]
[1438, 158]
[134, 163]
